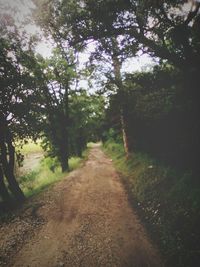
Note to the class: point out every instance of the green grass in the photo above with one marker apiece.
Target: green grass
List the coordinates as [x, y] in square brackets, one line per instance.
[74, 163]
[168, 202]
[90, 144]
[43, 176]
[31, 147]
[47, 173]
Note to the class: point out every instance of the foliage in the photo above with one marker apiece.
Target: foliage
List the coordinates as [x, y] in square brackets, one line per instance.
[43, 176]
[159, 117]
[17, 105]
[57, 74]
[86, 119]
[168, 30]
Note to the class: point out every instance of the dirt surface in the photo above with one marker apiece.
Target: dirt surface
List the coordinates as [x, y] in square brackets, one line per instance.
[86, 220]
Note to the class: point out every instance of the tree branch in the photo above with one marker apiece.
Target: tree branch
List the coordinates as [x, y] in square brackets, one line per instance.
[192, 14]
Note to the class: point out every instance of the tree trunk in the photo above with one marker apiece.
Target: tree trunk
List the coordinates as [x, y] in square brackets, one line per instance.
[64, 164]
[65, 167]
[8, 160]
[119, 83]
[3, 190]
[8, 168]
[79, 142]
[79, 150]
[125, 137]
[64, 154]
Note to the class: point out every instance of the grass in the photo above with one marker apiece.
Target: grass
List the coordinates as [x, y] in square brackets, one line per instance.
[42, 177]
[31, 147]
[168, 202]
[47, 173]
[90, 144]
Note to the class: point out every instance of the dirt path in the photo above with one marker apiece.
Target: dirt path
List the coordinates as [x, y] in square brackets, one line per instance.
[88, 222]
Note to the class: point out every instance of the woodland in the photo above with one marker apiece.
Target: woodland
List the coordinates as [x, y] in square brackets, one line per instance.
[144, 117]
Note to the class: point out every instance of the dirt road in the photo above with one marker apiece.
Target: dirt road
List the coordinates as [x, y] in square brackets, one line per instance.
[88, 222]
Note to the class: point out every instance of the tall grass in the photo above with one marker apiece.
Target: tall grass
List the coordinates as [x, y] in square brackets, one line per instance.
[40, 178]
[46, 173]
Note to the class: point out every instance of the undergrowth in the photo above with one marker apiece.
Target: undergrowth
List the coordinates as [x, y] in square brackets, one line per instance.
[168, 201]
[47, 173]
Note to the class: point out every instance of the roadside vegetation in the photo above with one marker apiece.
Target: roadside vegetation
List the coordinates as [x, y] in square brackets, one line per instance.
[47, 171]
[46, 174]
[166, 200]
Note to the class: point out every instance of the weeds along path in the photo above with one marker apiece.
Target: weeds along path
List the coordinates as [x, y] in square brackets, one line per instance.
[88, 222]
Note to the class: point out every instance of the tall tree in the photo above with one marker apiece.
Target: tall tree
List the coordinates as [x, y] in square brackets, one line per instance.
[17, 104]
[56, 77]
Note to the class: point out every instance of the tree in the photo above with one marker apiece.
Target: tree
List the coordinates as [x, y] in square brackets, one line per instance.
[86, 119]
[56, 78]
[168, 30]
[17, 106]
[165, 29]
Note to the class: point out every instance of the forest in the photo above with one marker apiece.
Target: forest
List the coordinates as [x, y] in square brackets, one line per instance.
[147, 120]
